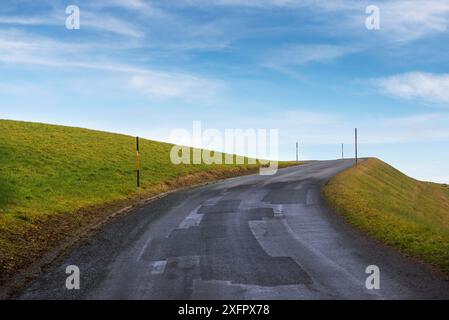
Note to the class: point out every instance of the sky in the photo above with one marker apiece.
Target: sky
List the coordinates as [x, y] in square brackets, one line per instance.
[310, 69]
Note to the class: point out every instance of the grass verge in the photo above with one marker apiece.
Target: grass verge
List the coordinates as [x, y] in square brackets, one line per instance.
[410, 215]
[55, 181]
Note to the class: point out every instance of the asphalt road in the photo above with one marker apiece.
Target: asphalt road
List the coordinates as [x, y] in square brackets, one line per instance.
[251, 237]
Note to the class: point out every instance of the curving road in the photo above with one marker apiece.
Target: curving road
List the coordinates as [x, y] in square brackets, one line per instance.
[251, 237]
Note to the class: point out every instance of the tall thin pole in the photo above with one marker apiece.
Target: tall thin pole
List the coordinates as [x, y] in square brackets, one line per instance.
[356, 151]
[342, 151]
[137, 162]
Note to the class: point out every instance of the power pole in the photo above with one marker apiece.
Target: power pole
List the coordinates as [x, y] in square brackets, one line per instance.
[297, 151]
[137, 162]
[356, 151]
[342, 151]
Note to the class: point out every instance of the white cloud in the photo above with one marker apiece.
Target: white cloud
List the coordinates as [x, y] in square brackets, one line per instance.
[325, 4]
[142, 7]
[174, 85]
[302, 54]
[409, 20]
[131, 4]
[417, 85]
[25, 20]
[89, 20]
[18, 47]
[401, 20]
[110, 24]
[23, 49]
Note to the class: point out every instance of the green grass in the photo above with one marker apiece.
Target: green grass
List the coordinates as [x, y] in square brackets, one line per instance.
[56, 180]
[410, 215]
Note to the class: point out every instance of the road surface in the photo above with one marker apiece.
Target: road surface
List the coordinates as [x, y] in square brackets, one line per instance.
[251, 237]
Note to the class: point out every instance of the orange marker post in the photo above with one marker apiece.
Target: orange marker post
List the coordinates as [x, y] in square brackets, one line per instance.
[137, 162]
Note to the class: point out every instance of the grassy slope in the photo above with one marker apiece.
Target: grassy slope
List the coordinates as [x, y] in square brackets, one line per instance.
[55, 180]
[396, 209]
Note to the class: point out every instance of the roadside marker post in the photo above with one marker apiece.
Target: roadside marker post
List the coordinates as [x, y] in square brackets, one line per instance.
[356, 151]
[137, 162]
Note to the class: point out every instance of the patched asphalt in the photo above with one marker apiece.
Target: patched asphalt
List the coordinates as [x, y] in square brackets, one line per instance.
[251, 237]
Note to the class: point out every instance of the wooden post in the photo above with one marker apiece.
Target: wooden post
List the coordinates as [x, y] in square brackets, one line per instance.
[137, 162]
[356, 151]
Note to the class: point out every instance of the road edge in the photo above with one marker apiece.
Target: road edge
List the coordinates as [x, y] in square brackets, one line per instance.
[338, 215]
[13, 284]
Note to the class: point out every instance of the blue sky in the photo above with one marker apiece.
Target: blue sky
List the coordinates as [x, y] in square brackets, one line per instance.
[308, 68]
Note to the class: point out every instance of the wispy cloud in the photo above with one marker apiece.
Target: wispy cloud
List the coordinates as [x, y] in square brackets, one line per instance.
[93, 21]
[25, 20]
[410, 20]
[110, 24]
[145, 8]
[428, 87]
[267, 4]
[174, 85]
[130, 4]
[401, 20]
[22, 49]
[302, 54]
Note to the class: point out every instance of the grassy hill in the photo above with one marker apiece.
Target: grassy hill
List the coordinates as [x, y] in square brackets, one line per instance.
[410, 215]
[56, 180]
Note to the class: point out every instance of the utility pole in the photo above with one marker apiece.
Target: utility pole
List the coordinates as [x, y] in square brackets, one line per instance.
[137, 162]
[297, 151]
[356, 151]
[342, 151]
